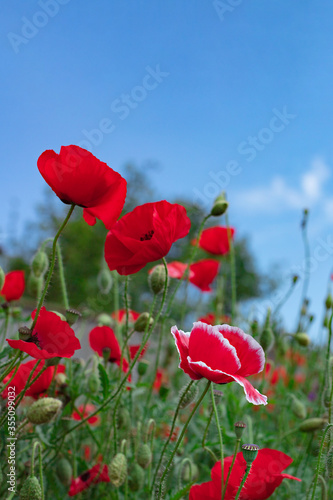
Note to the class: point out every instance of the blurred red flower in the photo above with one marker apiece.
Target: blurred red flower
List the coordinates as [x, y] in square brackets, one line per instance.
[13, 287]
[212, 319]
[215, 240]
[120, 315]
[265, 476]
[84, 411]
[38, 388]
[77, 176]
[221, 354]
[202, 273]
[144, 235]
[103, 337]
[97, 474]
[51, 338]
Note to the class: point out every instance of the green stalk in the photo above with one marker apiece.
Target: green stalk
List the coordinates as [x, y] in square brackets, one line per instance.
[37, 443]
[62, 277]
[247, 472]
[233, 271]
[319, 461]
[231, 467]
[5, 328]
[11, 366]
[220, 437]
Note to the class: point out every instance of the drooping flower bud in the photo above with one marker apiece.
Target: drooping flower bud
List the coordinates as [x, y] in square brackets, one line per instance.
[104, 319]
[142, 322]
[144, 455]
[40, 263]
[35, 285]
[298, 408]
[239, 429]
[118, 470]
[2, 278]
[136, 477]
[43, 410]
[123, 419]
[72, 316]
[64, 471]
[105, 281]
[24, 333]
[143, 367]
[329, 301]
[31, 489]
[190, 471]
[312, 424]
[220, 206]
[157, 279]
[302, 338]
[329, 463]
[187, 397]
[267, 339]
[250, 452]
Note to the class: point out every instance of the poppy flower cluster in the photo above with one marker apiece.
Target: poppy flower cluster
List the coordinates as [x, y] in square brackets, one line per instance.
[51, 338]
[265, 476]
[215, 240]
[13, 286]
[221, 354]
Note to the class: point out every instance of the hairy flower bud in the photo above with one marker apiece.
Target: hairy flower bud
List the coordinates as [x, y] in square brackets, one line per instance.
[72, 316]
[186, 397]
[239, 429]
[136, 477]
[43, 410]
[157, 279]
[40, 263]
[64, 471]
[220, 206]
[267, 339]
[142, 322]
[298, 408]
[31, 489]
[104, 319]
[312, 424]
[143, 367]
[302, 338]
[254, 328]
[123, 419]
[35, 285]
[144, 455]
[118, 470]
[250, 452]
[190, 471]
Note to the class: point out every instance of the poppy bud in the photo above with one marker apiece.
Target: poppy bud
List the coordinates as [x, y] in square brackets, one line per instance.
[302, 338]
[136, 477]
[250, 452]
[190, 471]
[295, 278]
[254, 328]
[40, 263]
[64, 471]
[239, 429]
[24, 333]
[298, 408]
[60, 378]
[329, 463]
[163, 392]
[157, 279]
[72, 316]
[35, 285]
[187, 397]
[43, 410]
[105, 281]
[93, 382]
[311, 318]
[118, 470]
[143, 367]
[52, 361]
[2, 278]
[142, 322]
[31, 489]
[144, 455]
[312, 424]
[267, 339]
[104, 320]
[328, 301]
[123, 419]
[220, 206]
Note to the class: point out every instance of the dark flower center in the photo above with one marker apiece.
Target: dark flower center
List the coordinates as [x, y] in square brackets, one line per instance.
[85, 476]
[34, 339]
[148, 236]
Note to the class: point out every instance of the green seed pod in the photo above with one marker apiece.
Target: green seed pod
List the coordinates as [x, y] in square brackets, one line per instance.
[190, 471]
[143, 367]
[298, 408]
[302, 338]
[144, 455]
[105, 281]
[72, 316]
[118, 470]
[239, 429]
[64, 471]
[104, 320]
[43, 410]
[24, 333]
[136, 477]
[31, 489]
[142, 322]
[312, 424]
[2, 278]
[329, 463]
[123, 419]
[220, 206]
[93, 382]
[157, 279]
[186, 398]
[267, 339]
[250, 452]
[40, 263]
[35, 285]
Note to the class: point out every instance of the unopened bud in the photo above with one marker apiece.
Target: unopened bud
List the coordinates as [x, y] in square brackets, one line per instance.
[2, 278]
[220, 206]
[43, 410]
[190, 471]
[24, 333]
[72, 316]
[254, 328]
[144, 455]
[329, 463]
[142, 322]
[312, 424]
[328, 301]
[187, 397]
[239, 429]
[295, 278]
[250, 452]
[157, 279]
[143, 367]
[104, 320]
[136, 477]
[298, 408]
[40, 263]
[123, 419]
[267, 339]
[52, 361]
[118, 470]
[311, 318]
[64, 471]
[60, 378]
[105, 281]
[302, 338]
[35, 285]
[31, 489]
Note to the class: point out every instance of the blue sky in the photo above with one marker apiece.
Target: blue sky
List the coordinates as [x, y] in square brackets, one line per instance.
[221, 96]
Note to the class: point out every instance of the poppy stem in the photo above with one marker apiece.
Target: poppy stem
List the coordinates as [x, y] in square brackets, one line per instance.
[35, 445]
[233, 271]
[319, 461]
[10, 367]
[51, 268]
[231, 467]
[180, 439]
[220, 437]
[62, 277]
[247, 472]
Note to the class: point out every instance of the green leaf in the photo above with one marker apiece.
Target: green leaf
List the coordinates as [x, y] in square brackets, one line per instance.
[181, 493]
[103, 376]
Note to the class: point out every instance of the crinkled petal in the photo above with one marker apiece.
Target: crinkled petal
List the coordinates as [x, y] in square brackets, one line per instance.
[182, 342]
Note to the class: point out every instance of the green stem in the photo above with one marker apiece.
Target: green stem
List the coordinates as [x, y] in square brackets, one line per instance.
[158, 353]
[11, 366]
[35, 445]
[233, 271]
[4, 329]
[247, 472]
[51, 268]
[203, 443]
[220, 436]
[62, 277]
[319, 460]
[180, 439]
[231, 467]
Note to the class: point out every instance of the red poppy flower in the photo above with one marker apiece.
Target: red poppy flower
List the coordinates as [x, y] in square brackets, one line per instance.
[160, 379]
[295, 357]
[120, 315]
[103, 337]
[13, 286]
[77, 176]
[38, 388]
[215, 240]
[144, 235]
[84, 411]
[134, 349]
[51, 338]
[265, 476]
[202, 273]
[221, 354]
[97, 474]
[212, 319]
